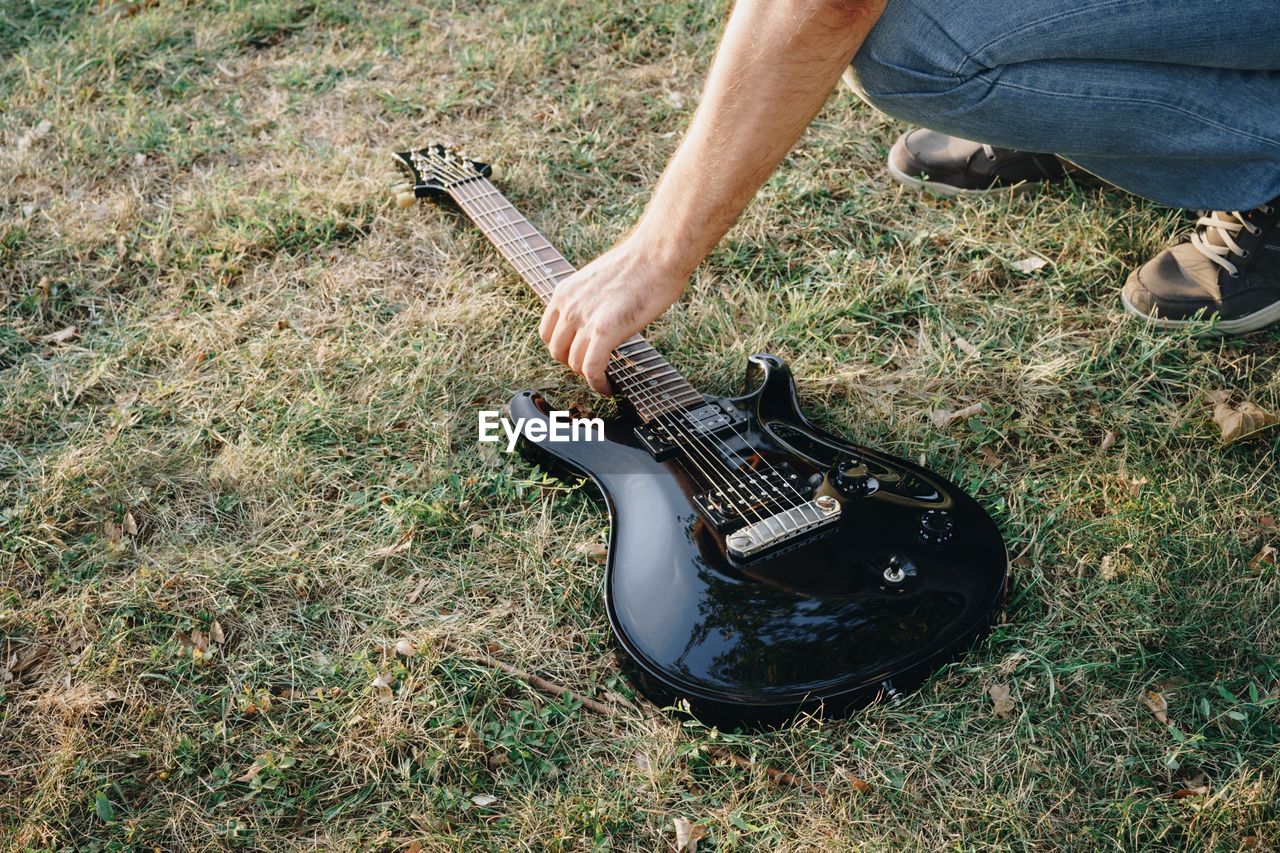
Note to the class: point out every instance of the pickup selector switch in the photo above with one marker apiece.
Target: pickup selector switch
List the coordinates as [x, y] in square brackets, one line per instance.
[936, 527]
[852, 479]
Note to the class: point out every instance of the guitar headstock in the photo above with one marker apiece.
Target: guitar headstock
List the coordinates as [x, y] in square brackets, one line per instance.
[436, 171]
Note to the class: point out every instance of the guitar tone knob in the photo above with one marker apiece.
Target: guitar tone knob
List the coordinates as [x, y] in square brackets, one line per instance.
[936, 527]
[852, 479]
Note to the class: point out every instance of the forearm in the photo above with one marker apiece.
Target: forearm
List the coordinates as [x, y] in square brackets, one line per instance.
[777, 63]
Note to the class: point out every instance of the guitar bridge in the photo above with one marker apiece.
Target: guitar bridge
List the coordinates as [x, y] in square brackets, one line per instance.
[775, 531]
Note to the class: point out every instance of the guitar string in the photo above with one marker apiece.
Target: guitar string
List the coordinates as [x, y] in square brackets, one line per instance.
[647, 395]
[762, 486]
[462, 179]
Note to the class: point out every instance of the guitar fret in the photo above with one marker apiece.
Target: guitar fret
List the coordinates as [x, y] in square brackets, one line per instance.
[518, 240]
[648, 383]
[631, 363]
[533, 250]
[649, 374]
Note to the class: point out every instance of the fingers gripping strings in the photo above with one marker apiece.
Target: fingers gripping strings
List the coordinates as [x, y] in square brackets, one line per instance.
[702, 453]
[702, 457]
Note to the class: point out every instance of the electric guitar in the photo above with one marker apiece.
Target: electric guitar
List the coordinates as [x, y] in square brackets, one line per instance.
[758, 566]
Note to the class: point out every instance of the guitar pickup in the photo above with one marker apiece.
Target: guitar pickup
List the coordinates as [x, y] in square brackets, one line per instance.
[774, 532]
[747, 496]
[663, 435]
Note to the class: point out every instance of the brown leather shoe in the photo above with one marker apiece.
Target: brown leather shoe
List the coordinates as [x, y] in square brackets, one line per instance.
[948, 165]
[1224, 276]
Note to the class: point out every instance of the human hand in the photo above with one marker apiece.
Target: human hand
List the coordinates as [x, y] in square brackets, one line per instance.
[601, 305]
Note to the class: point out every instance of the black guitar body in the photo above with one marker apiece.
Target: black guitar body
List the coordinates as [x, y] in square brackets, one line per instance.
[905, 580]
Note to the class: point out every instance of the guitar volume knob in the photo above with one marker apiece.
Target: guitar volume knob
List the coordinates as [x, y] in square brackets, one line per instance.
[936, 527]
[852, 479]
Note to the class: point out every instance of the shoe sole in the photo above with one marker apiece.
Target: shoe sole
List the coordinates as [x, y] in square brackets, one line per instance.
[950, 190]
[1255, 322]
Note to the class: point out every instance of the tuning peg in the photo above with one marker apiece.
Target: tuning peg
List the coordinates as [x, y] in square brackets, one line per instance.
[405, 199]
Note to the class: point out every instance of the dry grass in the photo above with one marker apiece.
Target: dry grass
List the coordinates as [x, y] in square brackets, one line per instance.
[275, 375]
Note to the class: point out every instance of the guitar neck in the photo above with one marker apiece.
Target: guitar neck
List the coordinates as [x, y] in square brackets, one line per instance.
[636, 369]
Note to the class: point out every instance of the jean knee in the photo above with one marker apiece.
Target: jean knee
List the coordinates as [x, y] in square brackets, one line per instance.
[911, 64]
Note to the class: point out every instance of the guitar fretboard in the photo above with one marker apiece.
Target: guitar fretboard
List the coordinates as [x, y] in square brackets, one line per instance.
[636, 369]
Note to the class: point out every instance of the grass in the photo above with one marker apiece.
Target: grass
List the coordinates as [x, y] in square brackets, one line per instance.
[273, 383]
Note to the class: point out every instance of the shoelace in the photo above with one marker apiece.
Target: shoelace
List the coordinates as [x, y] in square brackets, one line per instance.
[1225, 226]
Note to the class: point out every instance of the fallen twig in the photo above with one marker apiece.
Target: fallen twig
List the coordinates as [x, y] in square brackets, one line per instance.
[536, 681]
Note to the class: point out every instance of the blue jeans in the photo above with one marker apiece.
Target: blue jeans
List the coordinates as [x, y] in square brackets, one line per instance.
[1174, 100]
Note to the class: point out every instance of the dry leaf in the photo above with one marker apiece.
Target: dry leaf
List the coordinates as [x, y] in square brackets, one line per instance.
[405, 648]
[252, 773]
[405, 543]
[1268, 556]
[215, 632]
[282, 324]
[130, 524]
[483, 800]
[688, 835]
[111, 531]
[1134, 484]
[1001, 702]
[35, 134]
[61, 336]
[125, 401]
[1183, 793]
[382, 684]
[942, 417]
[412, 597]
[22, 660]
[1267, 522]
[1029, 264]
[1157, 704]
[1194, 786]
[1108, 441]
[642, 762]
[862, 786]
[592, 550]
[967, 348]
[989, 457]
[200, 640]
[1242, 421]
[1108, 568]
